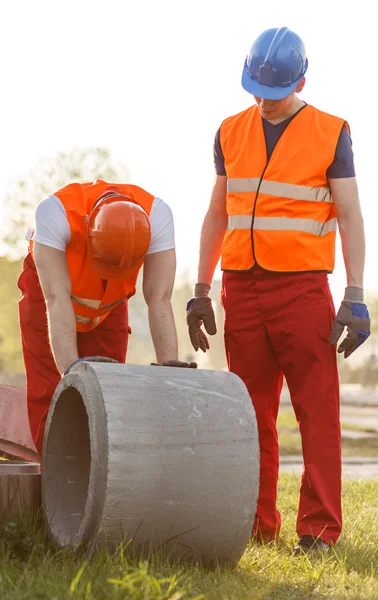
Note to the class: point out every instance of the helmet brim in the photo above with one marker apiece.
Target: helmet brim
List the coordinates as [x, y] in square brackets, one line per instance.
[265, 91]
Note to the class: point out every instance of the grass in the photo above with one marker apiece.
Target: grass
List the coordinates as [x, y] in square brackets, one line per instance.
[290, 439]
[30, 569]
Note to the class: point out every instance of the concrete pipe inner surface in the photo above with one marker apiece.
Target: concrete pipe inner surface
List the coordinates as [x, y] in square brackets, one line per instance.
[167, 457]
[68, 465]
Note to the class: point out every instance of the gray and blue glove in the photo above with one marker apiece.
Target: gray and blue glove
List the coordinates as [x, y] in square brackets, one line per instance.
[354, 315]
[90, 359]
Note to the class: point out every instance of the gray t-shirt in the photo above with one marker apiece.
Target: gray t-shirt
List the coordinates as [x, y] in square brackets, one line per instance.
[342, 166]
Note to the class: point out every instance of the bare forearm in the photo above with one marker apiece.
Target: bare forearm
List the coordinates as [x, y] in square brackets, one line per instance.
[212, 235]
[352, 235]
[351, 226]
[163, 330]
[62, 331]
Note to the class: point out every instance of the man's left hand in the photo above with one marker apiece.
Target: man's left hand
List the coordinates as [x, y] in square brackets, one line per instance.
[176, 363]
[354, 315]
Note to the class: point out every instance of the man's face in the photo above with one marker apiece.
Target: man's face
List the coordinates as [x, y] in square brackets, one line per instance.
[274, 109]
[278, 110]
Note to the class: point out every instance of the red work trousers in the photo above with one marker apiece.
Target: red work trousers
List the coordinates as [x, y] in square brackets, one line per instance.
[109, 339]
[279, 324]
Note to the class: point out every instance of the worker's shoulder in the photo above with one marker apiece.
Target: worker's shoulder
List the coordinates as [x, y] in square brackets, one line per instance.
[48, 205]
[324, 113]
[136, 188]
[71, 188]
[243, 113]
[136, 192]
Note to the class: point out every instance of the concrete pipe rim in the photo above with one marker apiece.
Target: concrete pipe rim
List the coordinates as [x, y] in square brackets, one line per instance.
[80, 389]
[19, 467]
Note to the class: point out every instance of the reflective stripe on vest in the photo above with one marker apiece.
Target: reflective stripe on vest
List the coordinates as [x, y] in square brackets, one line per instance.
[275, 188]
[88, 320]
[92, 304]
[86, 302]
[84, 320]
[237, 222]
[95, 303]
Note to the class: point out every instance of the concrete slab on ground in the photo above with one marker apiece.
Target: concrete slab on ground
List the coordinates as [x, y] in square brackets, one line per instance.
[353, 467]
[350, 394]
[363, 416]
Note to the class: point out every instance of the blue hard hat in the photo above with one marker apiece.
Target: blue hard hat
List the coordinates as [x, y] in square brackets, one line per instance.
[276, 63]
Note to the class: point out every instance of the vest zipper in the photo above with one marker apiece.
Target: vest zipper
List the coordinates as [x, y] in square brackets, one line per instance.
[262, 177]
[254, 210]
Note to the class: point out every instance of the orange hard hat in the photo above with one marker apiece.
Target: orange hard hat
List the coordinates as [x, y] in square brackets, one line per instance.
[119, 235]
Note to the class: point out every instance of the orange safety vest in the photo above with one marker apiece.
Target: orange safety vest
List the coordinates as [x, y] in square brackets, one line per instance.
[280, 212]
[92, 297]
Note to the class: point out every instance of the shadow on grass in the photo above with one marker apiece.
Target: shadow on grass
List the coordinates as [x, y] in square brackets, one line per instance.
[225, 585]
[358, 557]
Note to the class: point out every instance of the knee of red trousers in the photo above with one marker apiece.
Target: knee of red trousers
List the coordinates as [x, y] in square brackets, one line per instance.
[37, 414]
[40, 432]
[42, 380]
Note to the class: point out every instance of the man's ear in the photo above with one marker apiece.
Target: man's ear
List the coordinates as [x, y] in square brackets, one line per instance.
[300, 85]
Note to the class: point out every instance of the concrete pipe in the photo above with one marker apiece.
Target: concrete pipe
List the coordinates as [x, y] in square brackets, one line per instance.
[20, 486]
[165, 456]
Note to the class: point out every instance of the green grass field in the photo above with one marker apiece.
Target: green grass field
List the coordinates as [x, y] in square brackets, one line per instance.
[30, 569]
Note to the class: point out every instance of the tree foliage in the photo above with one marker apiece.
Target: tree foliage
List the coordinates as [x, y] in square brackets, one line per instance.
[10, 341]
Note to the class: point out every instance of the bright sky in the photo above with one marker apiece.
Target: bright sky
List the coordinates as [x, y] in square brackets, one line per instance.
[153, 80]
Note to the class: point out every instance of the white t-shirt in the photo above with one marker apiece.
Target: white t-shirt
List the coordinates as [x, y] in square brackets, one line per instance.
[52, 227]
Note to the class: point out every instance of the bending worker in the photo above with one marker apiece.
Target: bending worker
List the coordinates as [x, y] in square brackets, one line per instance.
[284, 179]
[89, 243]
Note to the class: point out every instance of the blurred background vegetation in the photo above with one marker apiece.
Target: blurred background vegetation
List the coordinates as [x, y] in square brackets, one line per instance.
[88, 164]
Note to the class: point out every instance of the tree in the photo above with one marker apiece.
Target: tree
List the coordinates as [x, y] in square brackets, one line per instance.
[11, 360]
[49, 175]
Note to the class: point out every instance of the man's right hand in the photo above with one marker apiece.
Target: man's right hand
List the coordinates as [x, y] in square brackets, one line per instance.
[90, 359]
[199, 311]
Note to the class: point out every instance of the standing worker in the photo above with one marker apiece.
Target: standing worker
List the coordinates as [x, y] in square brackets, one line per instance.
[284, 179]
[89, 243]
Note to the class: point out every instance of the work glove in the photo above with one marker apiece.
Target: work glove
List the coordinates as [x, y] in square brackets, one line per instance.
[354, 315]
[176, 363]
[90, 359]
[199, 310]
